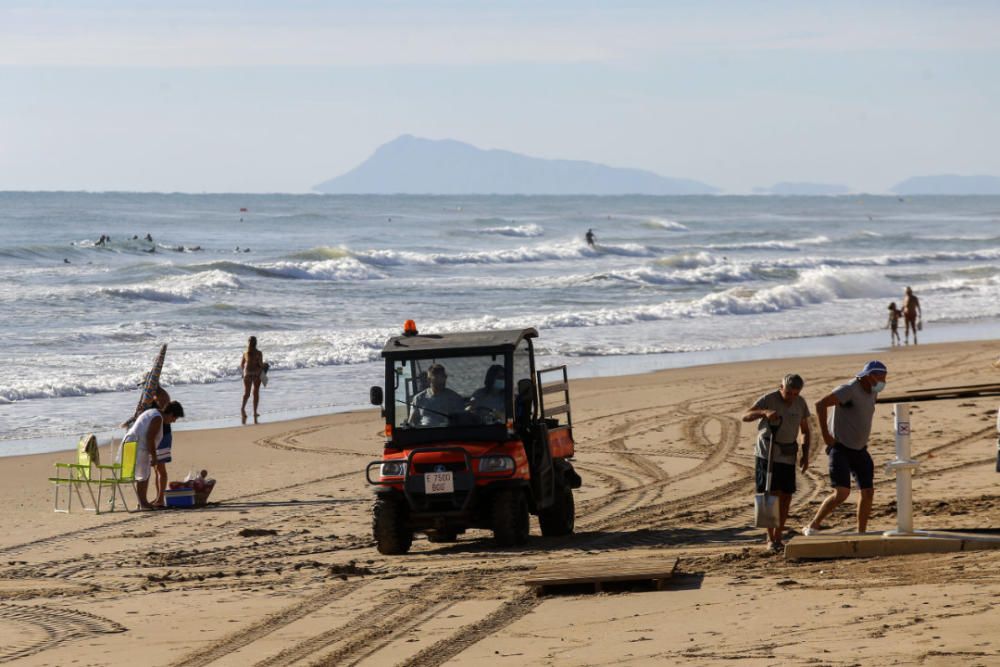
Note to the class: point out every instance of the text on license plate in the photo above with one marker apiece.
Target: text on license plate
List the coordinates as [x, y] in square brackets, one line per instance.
[439, 482]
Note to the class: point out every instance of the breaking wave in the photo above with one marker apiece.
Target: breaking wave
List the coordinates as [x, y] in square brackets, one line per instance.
[526, 231]
[176, 289]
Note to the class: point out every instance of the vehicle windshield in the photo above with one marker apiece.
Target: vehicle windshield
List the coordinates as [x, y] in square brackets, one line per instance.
[453, 391]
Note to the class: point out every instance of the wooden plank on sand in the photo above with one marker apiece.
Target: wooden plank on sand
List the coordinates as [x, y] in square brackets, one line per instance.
[941, 393]
[598, 572]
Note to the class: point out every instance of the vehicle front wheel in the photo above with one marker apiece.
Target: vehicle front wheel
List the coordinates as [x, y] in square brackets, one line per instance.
[510, 517]
[560, 517]
[390, 526]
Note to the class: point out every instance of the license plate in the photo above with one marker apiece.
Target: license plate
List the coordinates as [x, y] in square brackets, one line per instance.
[439, 482]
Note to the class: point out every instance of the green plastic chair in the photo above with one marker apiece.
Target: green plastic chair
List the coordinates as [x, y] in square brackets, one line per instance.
[121, 475]
[82, 475]
[77, 474]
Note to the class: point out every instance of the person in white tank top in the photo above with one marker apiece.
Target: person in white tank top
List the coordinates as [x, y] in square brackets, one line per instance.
[147, 431]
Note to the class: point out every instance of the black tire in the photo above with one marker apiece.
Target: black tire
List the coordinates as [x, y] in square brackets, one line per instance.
[559, 518]
[510, 517]
[441, 536]
[390, 528]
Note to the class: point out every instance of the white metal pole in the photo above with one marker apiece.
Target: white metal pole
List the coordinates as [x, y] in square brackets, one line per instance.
[904, 475]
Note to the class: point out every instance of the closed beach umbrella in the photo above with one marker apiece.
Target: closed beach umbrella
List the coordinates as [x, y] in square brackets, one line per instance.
[149, 386]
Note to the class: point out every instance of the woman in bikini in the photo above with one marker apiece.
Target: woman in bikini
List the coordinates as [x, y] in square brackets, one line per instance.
[252, 366]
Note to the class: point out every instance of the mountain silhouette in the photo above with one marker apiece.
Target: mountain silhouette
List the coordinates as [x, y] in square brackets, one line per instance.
[411, 165]
[948, 184]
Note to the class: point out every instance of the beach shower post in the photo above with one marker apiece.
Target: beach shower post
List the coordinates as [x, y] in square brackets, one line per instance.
[903, 467]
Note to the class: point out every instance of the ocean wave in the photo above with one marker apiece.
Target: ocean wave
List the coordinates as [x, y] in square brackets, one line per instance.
[540, 253]
[339, 267]
[664, 223]
[336, 270]
[528, 230]
[796, 244]
[285, 351]
[814, 286]
[320, 253]
[899, 259]
[701, 275]
[176, 289]
[688, 260]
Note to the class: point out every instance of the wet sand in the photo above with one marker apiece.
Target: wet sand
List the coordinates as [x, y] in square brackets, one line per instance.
[281, 569]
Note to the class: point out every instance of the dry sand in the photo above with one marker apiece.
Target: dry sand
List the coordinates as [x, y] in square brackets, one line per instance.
[282, 570]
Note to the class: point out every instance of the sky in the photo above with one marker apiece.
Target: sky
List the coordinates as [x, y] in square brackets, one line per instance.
[259, 96]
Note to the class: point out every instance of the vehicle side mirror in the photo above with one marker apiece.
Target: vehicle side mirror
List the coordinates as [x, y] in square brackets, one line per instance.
[375, 395]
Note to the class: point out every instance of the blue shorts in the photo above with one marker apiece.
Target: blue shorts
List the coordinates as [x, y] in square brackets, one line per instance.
[845, 462]
[782, 476]
[163, 449]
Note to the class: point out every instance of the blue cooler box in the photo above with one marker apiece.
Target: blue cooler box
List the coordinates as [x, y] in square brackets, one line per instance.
[178, 497]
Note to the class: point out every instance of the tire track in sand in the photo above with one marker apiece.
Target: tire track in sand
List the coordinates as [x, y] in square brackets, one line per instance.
[53, 627]
[299, 609]
[392, 614]
[445, 649]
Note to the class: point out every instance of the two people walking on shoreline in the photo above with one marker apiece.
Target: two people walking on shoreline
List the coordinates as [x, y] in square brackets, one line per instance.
[911, 314]
[845, 433]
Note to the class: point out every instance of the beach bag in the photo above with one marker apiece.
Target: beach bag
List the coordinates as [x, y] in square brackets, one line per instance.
[263, 375]
[765, 506]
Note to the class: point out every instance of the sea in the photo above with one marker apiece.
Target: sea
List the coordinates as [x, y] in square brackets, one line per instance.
[323, 281]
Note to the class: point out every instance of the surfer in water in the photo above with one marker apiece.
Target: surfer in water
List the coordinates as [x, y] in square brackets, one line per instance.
[590, 237]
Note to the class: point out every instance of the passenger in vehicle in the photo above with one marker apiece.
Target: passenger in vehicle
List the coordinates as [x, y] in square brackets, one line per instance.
[524, 402]
[491, 397]
[432, 406]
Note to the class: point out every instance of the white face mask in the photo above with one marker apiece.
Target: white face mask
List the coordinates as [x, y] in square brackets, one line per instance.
[499, 385]
[878, 386]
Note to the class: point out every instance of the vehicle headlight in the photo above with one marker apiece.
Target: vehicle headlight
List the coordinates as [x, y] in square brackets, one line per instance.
[393, 469]
[496, 464]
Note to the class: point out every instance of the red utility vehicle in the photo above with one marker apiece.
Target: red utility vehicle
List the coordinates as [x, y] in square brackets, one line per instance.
[476, 437]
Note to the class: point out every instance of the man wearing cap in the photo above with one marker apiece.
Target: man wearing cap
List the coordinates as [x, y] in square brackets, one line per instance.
[433, 405]
[846, 437]
[786, 412]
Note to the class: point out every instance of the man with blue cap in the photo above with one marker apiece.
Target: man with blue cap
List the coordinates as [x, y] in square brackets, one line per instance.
[846, 436]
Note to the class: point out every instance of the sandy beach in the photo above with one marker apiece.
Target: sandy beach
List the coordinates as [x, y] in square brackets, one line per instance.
[280, 568]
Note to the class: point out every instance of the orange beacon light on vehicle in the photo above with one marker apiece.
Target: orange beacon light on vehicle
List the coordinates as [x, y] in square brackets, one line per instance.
[409, 328]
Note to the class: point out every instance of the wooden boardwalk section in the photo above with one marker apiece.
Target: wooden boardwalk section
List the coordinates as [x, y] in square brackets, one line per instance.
[871, 545]
[598, 573]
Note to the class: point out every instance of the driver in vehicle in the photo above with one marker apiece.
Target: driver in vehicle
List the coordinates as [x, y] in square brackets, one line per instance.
[433, 405]
[489, 400]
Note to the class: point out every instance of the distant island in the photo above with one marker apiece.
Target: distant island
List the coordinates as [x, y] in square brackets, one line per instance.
[802, 189]
[948, 184]
[411, 165]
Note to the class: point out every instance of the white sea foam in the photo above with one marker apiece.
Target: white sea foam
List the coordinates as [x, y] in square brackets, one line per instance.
[343, 269]
[664, 223]
[528, 230]
[796, 244]
[690, 260]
